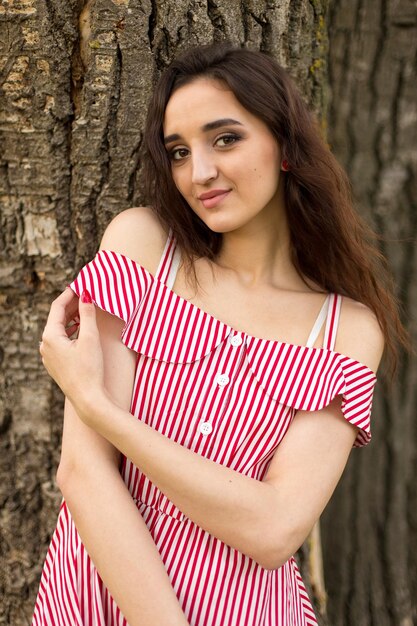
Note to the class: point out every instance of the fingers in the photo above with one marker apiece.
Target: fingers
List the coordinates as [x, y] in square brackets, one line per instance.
[67, 315]
[87, 312]
[72, 329]
[61, 308]
[71, 310]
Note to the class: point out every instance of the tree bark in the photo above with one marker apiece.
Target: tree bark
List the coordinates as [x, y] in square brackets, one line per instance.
[370, 525]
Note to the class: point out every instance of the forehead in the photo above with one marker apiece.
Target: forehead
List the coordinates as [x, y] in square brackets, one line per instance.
[202, 100]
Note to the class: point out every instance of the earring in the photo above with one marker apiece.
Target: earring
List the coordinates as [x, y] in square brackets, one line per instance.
[284, 165]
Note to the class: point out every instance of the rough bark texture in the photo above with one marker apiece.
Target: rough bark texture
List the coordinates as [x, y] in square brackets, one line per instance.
[75, 79]
[370, 525]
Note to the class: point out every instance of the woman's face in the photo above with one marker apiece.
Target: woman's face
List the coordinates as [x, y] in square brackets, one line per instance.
[224, 161]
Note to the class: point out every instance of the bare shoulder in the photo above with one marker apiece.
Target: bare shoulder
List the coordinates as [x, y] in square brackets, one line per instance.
[359, 335]
[138, 234]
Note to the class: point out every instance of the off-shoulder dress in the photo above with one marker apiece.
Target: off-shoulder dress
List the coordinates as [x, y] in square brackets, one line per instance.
[227, 396]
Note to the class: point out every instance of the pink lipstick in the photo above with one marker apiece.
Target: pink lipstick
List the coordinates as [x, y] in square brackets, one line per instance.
[212, 198]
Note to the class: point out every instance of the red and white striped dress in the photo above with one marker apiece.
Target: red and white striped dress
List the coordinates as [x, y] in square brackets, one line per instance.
[227, 396]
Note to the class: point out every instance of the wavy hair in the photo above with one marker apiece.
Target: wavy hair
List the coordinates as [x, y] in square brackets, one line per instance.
[330, 243]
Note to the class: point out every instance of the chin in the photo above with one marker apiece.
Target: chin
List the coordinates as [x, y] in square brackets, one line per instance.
[221, 226]
[221, 220]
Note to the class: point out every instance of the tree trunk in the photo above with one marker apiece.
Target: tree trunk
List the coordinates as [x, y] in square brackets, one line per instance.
[370, 525]
[76, 78]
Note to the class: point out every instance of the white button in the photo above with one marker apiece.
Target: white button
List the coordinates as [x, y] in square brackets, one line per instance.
[222, 380]
[206, 428]
[236, 340]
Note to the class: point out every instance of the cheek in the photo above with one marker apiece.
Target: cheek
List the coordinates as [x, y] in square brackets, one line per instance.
[265, 175]
[265, 162]
[179, 179]
[268, 166]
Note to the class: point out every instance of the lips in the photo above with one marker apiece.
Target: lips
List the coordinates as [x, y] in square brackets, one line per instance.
[212, 194]
[214, 197]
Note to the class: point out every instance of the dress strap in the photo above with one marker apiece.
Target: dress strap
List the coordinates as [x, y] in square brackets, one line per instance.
[332, 322]
[318, 323]
[176, 259]
[169, 262]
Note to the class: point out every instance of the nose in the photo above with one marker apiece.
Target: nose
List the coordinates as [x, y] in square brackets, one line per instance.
[204, 168]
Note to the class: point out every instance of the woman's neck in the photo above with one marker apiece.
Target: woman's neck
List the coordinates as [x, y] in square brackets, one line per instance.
[260, 254]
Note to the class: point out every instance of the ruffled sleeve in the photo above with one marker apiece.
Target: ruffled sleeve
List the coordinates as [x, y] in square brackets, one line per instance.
[357, 392]
[308, 379]
[116, 284]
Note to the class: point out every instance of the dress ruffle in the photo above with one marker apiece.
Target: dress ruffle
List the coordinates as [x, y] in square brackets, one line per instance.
[187, 334]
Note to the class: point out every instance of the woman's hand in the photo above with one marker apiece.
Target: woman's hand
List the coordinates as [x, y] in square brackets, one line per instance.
[76, 365]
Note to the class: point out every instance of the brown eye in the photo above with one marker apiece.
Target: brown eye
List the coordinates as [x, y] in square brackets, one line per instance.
[227, 140]
[178, 154]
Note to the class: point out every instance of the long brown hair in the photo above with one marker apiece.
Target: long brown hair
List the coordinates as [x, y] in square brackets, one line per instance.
[330, 243]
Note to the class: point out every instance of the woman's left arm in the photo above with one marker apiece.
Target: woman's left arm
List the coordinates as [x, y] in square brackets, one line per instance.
[267, 520]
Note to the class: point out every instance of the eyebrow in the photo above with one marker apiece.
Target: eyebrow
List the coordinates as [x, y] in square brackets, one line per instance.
[206, 128]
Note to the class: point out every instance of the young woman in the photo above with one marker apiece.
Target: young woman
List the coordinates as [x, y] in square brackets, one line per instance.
[214, 395]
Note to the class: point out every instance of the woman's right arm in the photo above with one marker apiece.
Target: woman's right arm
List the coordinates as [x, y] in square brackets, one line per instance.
[109, 524]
